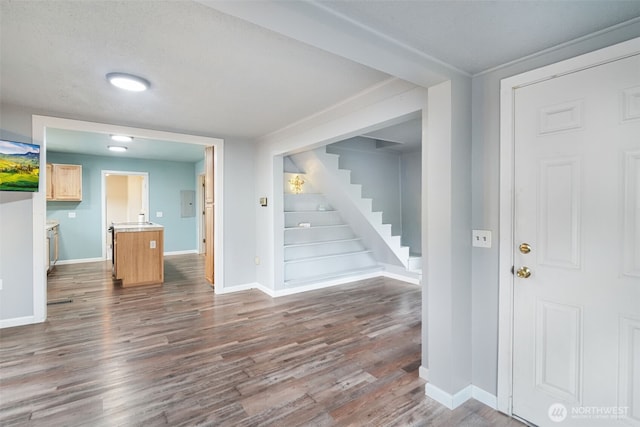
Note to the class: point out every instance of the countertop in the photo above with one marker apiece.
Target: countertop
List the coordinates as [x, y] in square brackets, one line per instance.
[136, 226]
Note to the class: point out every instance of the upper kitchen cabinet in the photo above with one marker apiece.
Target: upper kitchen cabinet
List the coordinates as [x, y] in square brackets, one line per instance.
[64, 182]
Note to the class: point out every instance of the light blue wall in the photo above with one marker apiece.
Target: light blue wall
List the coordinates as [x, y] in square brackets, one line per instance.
[81, 237]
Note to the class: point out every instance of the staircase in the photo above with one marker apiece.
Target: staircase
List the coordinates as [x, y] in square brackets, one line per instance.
[323, 170]
[318, 245]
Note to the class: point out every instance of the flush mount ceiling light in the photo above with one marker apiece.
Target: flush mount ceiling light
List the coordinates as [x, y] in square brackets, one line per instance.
[117, 148]
[128, 82]
[122, 138]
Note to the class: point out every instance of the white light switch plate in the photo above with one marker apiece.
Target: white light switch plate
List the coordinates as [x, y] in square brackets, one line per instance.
[481, 238]
[159, 214]
[72, 214]
[152, 244]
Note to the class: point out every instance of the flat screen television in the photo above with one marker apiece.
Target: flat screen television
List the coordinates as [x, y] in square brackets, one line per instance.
[19, 166]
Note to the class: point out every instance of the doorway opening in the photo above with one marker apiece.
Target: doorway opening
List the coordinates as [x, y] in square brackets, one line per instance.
[40, 127]
[125, 198]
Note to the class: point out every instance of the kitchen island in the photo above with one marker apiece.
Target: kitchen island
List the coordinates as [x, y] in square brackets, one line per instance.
[138, 253]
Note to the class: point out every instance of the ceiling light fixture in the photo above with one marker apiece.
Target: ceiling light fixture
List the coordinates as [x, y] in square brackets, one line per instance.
[128, 82]
[117, 148]
[122, 138]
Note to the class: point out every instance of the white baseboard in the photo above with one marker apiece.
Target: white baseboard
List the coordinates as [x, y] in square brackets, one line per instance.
[395, 276]
[423, 373]
[79, 261]
[17, 321]
[243, 287]
[325, 284]
[314, 286]
[452, 401]
[400, 273]
[484, 397]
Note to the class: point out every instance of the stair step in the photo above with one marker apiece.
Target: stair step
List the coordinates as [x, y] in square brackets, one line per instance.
[310, 211]
[317, 258]
[332, 276]
[315, 218]
[328, 264]
[322, 248]
[318, 233]
[316, 226]
[295, 245]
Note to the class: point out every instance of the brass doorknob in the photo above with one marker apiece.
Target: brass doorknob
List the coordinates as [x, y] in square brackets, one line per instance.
[523, 272]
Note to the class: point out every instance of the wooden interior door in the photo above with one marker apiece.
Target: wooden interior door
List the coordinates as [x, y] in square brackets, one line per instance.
[209, 214]
[576, 337]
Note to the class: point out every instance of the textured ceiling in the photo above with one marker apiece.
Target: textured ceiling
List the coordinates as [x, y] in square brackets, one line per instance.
[216, 70]
[211, 73]
[474, 36]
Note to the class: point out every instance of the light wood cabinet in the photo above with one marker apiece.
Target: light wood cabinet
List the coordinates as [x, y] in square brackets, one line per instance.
[64, 182]
[139, 257]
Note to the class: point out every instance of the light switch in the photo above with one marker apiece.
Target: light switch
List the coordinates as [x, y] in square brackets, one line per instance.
[481, 238]
[152, 244]
[159, 214]
[72, 214]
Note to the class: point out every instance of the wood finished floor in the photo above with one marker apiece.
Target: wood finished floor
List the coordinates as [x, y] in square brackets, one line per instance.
[180, 355]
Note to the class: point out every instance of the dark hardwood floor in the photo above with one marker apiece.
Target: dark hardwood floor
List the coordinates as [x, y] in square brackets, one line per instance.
[180, 355]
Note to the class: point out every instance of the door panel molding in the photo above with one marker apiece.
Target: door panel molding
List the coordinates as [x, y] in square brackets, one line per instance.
[507, 197]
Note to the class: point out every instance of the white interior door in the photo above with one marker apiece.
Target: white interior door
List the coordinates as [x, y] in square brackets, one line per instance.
[576, 326]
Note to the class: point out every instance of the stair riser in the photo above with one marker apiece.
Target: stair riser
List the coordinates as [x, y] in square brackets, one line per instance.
[292, 219]
[305, 202]
[329, 248]
[317, 267]
[308, 235]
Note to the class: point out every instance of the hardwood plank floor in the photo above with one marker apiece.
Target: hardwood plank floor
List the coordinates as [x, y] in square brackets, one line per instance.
[180, 355]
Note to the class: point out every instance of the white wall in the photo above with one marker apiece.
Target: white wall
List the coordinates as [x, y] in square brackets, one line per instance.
[240, 202]
[16, 232]
[485, 182]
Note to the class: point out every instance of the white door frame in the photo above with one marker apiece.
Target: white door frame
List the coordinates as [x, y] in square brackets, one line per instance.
[39, 126]
[507, 114]
[103, 190]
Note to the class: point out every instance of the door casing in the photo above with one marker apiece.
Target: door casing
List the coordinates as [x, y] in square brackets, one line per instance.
[507, 169]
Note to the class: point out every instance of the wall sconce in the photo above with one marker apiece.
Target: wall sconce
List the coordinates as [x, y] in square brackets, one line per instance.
[295, 184]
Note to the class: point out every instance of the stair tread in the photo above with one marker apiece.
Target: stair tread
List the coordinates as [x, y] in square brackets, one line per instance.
[340, 254]
[310, 211]
[323, 277]
[316, 226]
[321, 242]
